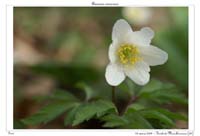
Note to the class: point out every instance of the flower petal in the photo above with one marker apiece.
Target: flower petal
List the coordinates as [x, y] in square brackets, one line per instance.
[142, 37]
[153, 55]
[111, 52]
[114, 75]
[139, 73]
[120, 29]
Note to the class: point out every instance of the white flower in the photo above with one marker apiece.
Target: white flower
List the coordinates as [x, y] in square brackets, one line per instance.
[137, 15]
[131, 54]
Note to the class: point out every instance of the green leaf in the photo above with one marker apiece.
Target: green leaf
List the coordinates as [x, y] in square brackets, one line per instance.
[175, 116]
[166, 96]
[155, 85]
[162, 93]
[89, 92]
[170, 96]
[71, 115]
[48, 113]
[154, 114]
[136, 120]
[89, 110]
[113, 120]
[63, 95]
[137, 106]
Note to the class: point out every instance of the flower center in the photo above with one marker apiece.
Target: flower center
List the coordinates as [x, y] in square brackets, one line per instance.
[128, 54]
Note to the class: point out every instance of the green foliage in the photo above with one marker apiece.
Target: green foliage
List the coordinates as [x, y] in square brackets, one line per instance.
[162, 118]
[90, 110]
[114, 121]
[143, 119]
[69, 118]
[137, 115]
[162, 93]
[136, 120]
[153, 114]
[89, 92]
[61, 102]
[48, 113]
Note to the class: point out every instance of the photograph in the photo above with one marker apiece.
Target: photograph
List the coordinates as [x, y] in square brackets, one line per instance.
[100, 68]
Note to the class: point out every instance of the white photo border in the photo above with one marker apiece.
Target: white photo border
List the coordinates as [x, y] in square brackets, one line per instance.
[97, 132]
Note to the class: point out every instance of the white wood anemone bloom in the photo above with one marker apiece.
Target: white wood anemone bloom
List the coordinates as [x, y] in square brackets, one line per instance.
[131, 54]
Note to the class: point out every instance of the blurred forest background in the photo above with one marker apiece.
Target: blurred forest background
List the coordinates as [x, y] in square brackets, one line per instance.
[67, 49]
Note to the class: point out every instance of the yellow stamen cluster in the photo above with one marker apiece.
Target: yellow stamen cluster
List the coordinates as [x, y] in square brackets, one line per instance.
[128, 54]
